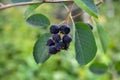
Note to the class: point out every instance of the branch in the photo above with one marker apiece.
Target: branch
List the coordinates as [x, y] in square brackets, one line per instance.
[31, 3]
[69, 13]
[97, 4]
[77, 15]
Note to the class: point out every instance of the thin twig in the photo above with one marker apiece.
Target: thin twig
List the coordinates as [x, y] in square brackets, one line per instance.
[69, 13]
[19, 4]
[97, 4]
[77, 15]
[31, 3]
[61, 22]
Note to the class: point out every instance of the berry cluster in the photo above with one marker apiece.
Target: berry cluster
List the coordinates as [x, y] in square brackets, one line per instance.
[60, 39]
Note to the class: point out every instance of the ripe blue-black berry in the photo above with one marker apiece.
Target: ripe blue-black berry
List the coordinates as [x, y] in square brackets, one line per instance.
[50, 42]
[56, 44]
[54, 29]
[56, 37]
[66, 39]
[66, 46]
[65, 29]
[90, 25]
[60, 46]
[52, 50]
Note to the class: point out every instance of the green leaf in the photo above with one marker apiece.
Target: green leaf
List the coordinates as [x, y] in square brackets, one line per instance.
[88, 6]
[98, 68]
[38, 20]
[30, 9]
[85, 45]
[17, 1]
[72, 29]
[103, 37]
[40, 50]
[117, 67]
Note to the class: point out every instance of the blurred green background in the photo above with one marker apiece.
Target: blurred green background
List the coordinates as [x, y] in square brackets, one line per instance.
[17, 39]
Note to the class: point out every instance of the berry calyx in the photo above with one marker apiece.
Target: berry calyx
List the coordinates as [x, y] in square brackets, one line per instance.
[65, 29]
[54, 29]
[50, 42]
[66, 39]
[52, 50]
[56, 37]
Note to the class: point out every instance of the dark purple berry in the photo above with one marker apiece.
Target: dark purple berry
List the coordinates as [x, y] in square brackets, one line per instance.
[50, 42]
[67, 39]
[65, 29]
[90, 25]
[66, 46]
[56, 37]
[60, 46]
[52, 50]
[54, 29]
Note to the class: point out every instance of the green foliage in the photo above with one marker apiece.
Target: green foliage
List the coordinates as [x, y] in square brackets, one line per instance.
[40, 51]
[98, 68]
[103, 37]
[17, 41]
[31, 9]
[117, 67]
[88, 6]
[88, 48]
[85, 45]
[38, 20]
